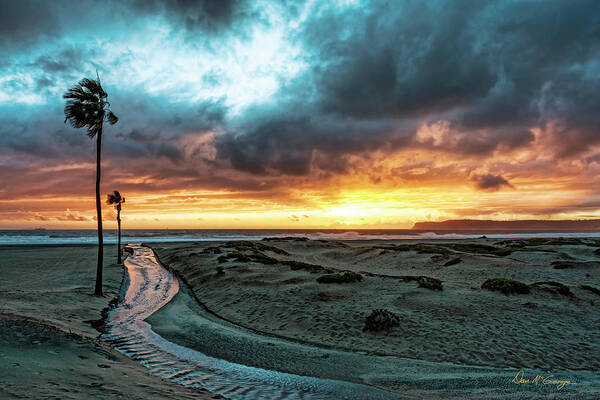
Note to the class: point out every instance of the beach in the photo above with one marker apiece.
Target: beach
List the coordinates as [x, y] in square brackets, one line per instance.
[49, 347]
[265, 304]
[462, 325]
[300, 200]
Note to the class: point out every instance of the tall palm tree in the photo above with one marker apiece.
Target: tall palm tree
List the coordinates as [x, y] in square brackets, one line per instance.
[115, 199]
[87, 107]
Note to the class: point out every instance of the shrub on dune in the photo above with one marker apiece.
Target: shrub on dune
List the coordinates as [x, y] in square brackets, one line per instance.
[299, 265]
[344, 277]
[262, 258]
[381, 320]
[506, 286]
[430, 283]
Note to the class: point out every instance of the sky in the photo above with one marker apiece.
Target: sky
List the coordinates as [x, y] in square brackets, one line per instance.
[303, 114]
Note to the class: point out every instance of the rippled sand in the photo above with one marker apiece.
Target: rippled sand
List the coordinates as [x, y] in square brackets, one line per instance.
[462, 324]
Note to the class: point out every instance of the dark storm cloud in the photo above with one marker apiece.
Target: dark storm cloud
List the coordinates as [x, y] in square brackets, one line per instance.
[490, 182]
[505, 139]
[66, 64]
[493, 70]
[398, 59]
[272, 142]
[68, 60]
[491, 58]
[194, 15]
[148, 128]
[21, 22]
[26, 22]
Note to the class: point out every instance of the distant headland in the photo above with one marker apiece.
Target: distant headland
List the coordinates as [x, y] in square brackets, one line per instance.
[519, 225]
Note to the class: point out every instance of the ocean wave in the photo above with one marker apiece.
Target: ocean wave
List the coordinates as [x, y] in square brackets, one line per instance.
[153, 236]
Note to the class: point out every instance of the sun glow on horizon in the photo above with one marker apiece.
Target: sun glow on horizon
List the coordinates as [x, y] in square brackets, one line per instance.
[382, 208]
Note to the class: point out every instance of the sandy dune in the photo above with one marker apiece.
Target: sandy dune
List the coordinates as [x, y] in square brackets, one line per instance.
[264, 308]
[462, 324]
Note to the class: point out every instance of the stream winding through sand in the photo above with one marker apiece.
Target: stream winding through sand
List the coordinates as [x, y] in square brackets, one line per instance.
[150, 288]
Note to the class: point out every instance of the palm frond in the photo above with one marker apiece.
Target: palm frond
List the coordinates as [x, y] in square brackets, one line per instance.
[111, 118]
[86, 106]
[114, 198]
[80, 93]
[93, 87]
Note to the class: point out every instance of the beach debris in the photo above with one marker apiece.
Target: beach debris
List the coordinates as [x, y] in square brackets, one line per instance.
[506, 286]
[381, 320]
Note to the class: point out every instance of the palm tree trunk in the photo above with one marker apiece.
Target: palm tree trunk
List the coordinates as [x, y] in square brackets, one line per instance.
[119, 237]
[98, 289]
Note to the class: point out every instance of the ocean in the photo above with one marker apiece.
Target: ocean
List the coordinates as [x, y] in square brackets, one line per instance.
[88, 236]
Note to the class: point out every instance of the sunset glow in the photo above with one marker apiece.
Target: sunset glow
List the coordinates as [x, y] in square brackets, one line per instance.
[269, 115]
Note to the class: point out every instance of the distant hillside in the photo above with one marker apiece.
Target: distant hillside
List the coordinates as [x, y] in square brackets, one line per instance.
[523, 225]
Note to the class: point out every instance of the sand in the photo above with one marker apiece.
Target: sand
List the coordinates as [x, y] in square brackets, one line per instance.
[461, 342]
[462, 325]
[48, 347]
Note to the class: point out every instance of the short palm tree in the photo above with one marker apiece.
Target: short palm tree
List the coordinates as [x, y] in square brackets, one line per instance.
[116, 199]
[87, 107]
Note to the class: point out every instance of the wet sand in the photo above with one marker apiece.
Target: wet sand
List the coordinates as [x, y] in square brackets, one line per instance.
[48, 346]
[461, 325]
